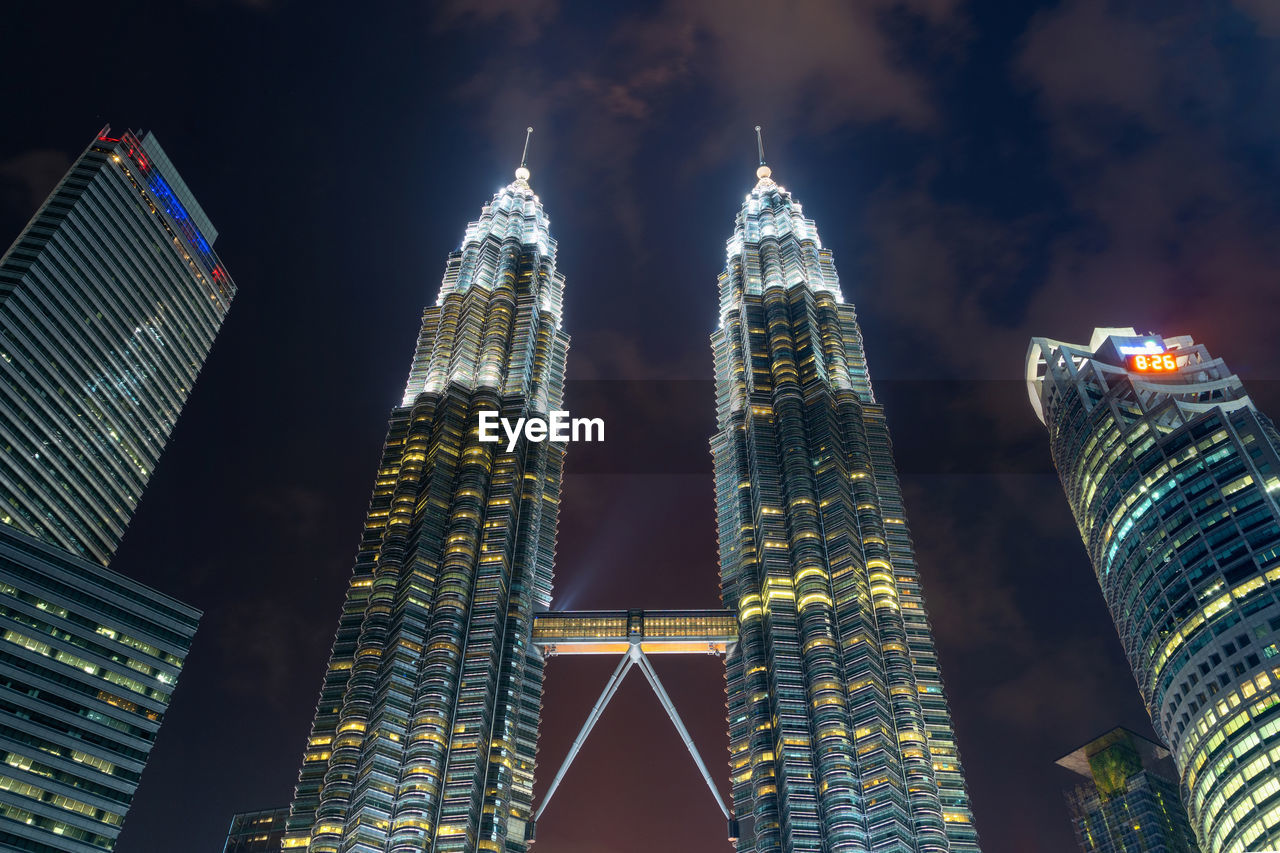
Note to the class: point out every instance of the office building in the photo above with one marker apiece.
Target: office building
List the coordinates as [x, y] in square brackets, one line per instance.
[840, 734]
[426, 728]
[109, 302]
[1173, 476]
[1128, 802]
[257, 832]
[88, 664]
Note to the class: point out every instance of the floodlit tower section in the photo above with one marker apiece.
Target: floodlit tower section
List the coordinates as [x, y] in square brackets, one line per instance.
[1171, 473]
[840, 736]
[426, 728]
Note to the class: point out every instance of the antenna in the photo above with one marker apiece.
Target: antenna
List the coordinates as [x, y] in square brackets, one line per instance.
[764, 172]
[524, 155]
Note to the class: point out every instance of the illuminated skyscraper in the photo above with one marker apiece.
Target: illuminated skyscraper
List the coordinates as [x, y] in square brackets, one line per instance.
[256, 832]
[1171, 473]
[109, 303]
[426, 728]
[840, 736]
[89, 660]
[1126, 804]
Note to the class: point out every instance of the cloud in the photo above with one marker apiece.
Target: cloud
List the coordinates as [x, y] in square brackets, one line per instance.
[1049, 694]
[610, 354]
[1020, 624]
[1266, 12]
[975, 535]
[261, 640]
[1082, 53]
[1152, 129]
[841, 60]
[1150, 198]
[840, 63]
[798, 68]
[297, 511]
[949, 269]
[525, 18]
[252, 5]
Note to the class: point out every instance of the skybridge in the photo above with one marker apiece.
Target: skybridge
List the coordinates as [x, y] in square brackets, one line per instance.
[608, 632]
[634, 634]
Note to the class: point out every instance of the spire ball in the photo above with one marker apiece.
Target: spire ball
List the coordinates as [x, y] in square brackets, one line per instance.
[522, 174]
[763, 172]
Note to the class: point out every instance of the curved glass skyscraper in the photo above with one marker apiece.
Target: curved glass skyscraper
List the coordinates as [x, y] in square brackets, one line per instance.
[426, 728]
[840, 735]
[109, 303]
[1172, 475]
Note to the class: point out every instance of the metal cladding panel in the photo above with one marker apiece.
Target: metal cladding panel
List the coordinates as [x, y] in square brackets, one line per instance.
[426, 731]
[840, 735]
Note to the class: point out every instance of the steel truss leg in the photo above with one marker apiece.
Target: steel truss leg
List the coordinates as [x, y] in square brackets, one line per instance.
[624, 666]
[647, 668]
[634, 656]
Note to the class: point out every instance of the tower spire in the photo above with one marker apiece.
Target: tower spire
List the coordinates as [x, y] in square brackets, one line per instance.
[764, 171]
[522, 173]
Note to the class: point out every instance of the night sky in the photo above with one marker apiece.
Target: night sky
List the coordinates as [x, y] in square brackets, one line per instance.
[983, 172]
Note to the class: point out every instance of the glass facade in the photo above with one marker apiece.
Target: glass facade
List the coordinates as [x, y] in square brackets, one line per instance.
[88, 664]
[1173, 476]
[256, 832]
[840, 735]
[1128, 805]
[595, 632]
[109, 302]
[426, 728]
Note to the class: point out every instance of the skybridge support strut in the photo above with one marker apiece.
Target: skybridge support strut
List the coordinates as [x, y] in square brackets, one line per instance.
[624, 666]
[647, 668]
[634, 656]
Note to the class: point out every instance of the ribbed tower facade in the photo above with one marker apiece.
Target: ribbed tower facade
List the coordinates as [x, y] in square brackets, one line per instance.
[109, 303]
[840, 735]
[1173, 477]
[426, 728]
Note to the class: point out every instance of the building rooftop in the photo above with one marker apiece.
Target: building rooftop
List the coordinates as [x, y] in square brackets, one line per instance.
[1112, 758]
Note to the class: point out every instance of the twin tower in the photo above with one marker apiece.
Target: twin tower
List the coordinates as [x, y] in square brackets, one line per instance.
[426, 730]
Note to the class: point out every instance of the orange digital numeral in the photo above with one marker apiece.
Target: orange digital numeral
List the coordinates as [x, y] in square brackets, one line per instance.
[1155, 362]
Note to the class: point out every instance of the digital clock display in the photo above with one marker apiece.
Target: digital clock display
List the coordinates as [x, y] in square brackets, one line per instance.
[1153, 363]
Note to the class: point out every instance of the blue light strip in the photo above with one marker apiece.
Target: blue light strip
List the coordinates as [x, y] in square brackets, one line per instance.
[164, 194]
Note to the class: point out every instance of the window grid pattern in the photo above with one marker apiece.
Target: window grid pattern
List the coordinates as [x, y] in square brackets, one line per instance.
[1146, 816]
[256, 832]
[566, 625]
[840, 734]
[109, 303]
[81, 703]
[426, 730]
[1173, 484]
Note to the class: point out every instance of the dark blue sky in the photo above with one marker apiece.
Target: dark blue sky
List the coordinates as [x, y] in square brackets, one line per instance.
[983, 172]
